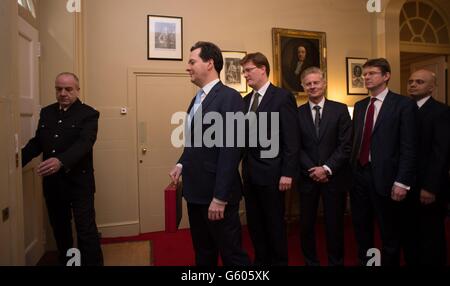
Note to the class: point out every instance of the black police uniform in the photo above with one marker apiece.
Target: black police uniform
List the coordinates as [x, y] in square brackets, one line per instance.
[69, 136]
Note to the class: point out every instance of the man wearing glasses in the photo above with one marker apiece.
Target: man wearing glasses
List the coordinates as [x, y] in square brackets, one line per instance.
[267, 178]
[383, 160]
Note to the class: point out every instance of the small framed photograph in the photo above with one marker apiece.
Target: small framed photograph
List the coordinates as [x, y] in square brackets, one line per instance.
[293, 52]
[355, 79]
[164, 38]
[231, 74]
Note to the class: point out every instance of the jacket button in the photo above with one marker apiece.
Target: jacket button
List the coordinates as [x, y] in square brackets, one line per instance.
[53, 151]
[56, 136]
[84, 171]
[60, 121]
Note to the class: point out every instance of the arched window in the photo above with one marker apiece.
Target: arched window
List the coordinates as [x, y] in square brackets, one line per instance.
[30, 5]
[420, 22]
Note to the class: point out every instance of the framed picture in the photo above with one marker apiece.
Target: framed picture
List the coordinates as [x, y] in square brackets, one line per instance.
[355, 80]
[231, 74]
[164, 38]
[293, 52]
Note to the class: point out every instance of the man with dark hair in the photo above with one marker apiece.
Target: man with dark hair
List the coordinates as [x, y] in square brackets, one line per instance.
[211, 183]
[325, 146]
[267, 178]
[431, 189]
[66, 133]
[383, 160]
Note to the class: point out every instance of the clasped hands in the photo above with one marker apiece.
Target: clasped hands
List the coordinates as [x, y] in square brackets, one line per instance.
[318, 174]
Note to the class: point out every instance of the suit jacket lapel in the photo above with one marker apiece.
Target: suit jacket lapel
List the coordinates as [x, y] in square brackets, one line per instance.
[211, 96]
[324, 119]
[385, 109]
[307, 118]
[361, 115]
[270, 93]
[426, 108]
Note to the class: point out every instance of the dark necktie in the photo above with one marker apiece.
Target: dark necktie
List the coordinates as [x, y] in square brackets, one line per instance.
[367, 135]
[317, 119]
[255, 102]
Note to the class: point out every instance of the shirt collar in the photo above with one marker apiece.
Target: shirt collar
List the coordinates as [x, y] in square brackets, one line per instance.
[421, 102]
[263, 89]
[382, 95]
[321, 104]
[207, 88]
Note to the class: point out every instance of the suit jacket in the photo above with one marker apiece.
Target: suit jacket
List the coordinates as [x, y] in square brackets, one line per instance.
[394, 141]
[267, 171]
[69, 136]
[434, 148]
[212, 171]
[331, 148]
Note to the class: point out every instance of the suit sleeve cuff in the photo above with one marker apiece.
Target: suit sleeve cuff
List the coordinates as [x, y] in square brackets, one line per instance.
[220, 202]
[402, 186]
[330, 173]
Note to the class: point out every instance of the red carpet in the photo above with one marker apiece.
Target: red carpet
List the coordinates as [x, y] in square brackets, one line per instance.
[175, 249]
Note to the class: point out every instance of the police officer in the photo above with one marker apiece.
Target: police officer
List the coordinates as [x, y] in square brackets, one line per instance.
[65, 136]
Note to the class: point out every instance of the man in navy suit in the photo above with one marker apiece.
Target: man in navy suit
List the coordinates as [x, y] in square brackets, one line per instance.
[268, 176]
[431, 191]
[325, 147]
[211, 183]
[383, 160]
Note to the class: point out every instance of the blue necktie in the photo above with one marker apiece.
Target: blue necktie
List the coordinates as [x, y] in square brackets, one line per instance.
[197, 103]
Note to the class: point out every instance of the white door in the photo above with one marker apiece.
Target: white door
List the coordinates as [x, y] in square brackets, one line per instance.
[34, 236]
[158, 97]
[438, 66]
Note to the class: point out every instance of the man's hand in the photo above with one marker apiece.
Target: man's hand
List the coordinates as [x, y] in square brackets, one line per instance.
[318, 174]
[216, 211]
[426, 197]
[285, 184]
[398, 193]
[175, 174]
[49, 167]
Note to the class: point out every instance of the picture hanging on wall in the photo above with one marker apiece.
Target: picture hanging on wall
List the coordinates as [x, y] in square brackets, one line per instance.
[164, 38]
[231, 74]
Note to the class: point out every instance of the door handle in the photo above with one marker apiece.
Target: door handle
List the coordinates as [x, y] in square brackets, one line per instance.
[144, 150]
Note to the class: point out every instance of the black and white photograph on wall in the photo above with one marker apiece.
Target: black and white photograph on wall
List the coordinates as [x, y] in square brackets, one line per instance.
[164, 38]
[355, 80]
[231, 74]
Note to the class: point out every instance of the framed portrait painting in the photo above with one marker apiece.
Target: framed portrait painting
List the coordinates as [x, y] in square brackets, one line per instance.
[355, 80]
[231, 74]
[293, 52]
[164, 38]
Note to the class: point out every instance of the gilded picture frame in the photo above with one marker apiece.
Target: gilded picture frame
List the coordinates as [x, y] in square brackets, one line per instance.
[293, 52]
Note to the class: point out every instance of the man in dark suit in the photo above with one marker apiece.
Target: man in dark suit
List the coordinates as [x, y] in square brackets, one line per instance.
[431, 188]
[325, 147]
[268, 176]
[66, 133]
[383, 160]
[211, 183]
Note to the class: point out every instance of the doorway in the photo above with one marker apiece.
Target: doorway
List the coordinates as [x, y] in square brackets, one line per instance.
[159, 96]
[33, 208]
